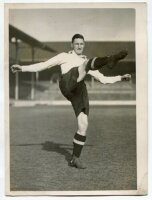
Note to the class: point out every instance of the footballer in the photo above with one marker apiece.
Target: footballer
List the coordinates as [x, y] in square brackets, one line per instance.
[74, 68]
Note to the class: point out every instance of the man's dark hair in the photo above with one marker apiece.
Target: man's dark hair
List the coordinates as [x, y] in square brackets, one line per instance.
[77, 36]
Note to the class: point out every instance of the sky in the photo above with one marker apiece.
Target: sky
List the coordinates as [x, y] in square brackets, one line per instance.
[61, 24]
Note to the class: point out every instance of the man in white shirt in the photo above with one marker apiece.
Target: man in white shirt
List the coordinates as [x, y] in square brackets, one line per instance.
[74, 68]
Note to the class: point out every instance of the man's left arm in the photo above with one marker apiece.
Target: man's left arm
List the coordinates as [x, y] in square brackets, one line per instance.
[108, 79]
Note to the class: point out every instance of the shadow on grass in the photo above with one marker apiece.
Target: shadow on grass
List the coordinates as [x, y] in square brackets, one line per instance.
[62, 149]
[54, 147]
[58, 148]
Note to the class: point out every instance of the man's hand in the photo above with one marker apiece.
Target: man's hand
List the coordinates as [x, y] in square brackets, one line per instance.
[16, 68]
[126, 77]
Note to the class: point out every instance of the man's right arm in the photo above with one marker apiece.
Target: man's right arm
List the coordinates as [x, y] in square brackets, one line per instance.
[56, 60]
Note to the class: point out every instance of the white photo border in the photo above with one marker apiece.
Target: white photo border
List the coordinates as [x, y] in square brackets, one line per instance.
[141, 97]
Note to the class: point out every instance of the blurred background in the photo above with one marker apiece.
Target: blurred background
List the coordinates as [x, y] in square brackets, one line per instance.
[35, 35]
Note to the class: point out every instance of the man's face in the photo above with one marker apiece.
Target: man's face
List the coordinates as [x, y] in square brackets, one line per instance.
[78, 45]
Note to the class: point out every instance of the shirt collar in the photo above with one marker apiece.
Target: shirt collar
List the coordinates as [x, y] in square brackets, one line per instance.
[72, 52]
[81, 56]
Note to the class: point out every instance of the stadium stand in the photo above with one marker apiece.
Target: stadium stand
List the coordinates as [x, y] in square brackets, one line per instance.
[44, 85]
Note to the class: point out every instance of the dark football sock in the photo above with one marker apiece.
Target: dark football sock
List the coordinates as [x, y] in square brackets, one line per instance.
[98, 62]
[78, 143]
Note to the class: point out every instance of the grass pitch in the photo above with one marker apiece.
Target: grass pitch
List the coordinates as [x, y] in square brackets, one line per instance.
[41, 145]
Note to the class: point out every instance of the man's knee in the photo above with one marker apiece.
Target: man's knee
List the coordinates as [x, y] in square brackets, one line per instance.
[82, 71]
[82, 123]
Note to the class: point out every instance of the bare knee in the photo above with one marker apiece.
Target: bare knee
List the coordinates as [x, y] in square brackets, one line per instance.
[82, 71]
[82, 123]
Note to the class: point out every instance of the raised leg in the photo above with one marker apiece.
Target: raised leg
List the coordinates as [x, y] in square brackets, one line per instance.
[98, 62]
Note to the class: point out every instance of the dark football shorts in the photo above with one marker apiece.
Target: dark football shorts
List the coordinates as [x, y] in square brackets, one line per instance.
[75, 92]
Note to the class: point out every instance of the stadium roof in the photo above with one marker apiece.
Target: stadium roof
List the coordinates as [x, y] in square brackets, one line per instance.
[18, 34]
